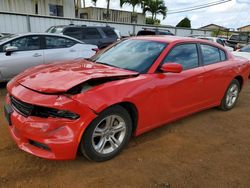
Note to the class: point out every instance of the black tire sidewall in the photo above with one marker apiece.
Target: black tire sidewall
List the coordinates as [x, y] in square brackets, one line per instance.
[86, 146]
[224, 105]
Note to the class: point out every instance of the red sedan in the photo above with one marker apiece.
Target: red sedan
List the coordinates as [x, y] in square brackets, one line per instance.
[136, 85]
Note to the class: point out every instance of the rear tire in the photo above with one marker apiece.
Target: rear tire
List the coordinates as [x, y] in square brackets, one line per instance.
[107, 135]
[231, 96]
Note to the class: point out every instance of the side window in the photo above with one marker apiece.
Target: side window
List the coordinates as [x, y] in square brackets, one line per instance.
[210, 54]
[223, 56]
[109, 32]
[74, 32]
[185, 54]
[58, 42]
[91, 33]
[25, 43]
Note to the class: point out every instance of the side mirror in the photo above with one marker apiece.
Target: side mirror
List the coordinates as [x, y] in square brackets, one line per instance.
[10, 49]
[172, 67]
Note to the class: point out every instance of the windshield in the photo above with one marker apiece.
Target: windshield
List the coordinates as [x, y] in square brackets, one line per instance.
[54, 30]
[245, 49]
[131, 54]
[5, 38]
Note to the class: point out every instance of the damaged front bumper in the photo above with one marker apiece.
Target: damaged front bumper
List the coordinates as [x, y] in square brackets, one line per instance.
[50, 138]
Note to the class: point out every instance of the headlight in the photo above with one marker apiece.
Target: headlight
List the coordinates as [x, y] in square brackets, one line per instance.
[51, 112]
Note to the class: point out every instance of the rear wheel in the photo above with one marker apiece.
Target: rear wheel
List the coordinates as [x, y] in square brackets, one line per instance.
[231, 96]
[107, 135]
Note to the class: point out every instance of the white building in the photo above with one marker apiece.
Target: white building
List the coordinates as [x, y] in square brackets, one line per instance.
[62, 8]
[95, 13]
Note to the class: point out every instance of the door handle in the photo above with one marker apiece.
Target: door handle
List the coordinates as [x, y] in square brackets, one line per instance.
[37, 55]
[72, 50]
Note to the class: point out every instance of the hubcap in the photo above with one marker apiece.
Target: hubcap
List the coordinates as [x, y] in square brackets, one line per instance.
[232, 95]
[109, 134]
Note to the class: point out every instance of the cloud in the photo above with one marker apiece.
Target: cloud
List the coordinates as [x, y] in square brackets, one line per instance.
[233, 14]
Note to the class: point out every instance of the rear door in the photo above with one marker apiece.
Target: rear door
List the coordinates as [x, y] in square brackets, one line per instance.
[217, 72]
[60, 49]
[29, 54]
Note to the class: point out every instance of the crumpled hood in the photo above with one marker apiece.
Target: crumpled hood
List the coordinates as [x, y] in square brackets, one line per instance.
[57, 78]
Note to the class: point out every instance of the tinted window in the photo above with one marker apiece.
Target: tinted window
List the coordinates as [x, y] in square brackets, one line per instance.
[91, 33]
[135, 55]
[109, 32]
[210, 54]
[58, 42]
[185, 54]
[25, 43]
[245, 49]
[74, 32]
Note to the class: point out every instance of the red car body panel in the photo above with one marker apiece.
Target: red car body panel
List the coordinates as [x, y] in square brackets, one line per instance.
[158, 98]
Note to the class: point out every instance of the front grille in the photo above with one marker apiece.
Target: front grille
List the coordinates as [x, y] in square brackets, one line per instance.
[23, 108]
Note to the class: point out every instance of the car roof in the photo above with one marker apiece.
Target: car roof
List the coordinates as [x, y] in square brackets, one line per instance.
[47, 34]
[66, 26]
[168, 39]
[175, 39]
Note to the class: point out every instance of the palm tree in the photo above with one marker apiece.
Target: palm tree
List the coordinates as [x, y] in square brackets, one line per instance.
[155, 7]
[133, 3]
[108, 5]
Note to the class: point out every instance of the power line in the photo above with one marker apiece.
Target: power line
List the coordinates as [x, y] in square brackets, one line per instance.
[198, 7]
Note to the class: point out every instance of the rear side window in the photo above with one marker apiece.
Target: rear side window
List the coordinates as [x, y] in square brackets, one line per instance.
[58, 42]
[185, 54]
[91, 33]
[210, 54]
[76, 33]
[109, 32]
[223, 56]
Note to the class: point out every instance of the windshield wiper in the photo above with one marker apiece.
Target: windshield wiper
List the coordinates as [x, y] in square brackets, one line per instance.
[106, 64]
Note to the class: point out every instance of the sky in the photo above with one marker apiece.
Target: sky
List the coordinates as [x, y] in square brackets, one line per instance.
[233, 14]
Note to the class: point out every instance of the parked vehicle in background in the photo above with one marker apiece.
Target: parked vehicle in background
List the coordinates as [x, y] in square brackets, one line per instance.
[97, 35]
[94, 106]
[241, 40]
[243, 52]
[19, 52]
[4, 34]
[152, 31]
[217, 40]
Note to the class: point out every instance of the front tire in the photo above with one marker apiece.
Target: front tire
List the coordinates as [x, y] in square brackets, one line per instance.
[107, 135]
[231, 96]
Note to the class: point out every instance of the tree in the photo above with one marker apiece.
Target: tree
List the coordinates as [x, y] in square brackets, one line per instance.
[184, 23]
[108, 7]
[155, 7]
[133, 3]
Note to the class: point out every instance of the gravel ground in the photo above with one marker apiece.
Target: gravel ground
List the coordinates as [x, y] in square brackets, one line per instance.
[208, 149]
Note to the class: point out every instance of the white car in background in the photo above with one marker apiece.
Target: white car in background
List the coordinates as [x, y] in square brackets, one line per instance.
[217, 40]
[19, 52]
[243, 52]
